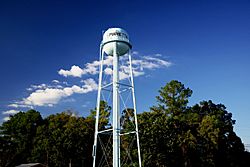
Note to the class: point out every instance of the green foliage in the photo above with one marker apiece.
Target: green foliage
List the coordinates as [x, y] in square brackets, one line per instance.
[172, 134]
[55, 140]
[173, 98]
[62, 139]
[17, 137]
[103, 115]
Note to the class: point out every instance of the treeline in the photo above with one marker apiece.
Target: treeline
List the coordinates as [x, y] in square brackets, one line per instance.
[172, 134]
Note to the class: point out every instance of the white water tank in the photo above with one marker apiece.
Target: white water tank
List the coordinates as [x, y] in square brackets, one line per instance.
[116, 36]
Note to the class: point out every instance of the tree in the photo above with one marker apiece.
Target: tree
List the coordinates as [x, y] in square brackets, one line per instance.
[173, 98]
[7, 150]
[172, 103]
[57, 140]
[174, 134]
[104, 114]
[221, 144]
[155, 139]
[17, 136]
[104, 122]
[64, 138]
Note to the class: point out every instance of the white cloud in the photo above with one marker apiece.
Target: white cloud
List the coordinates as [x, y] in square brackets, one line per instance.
[65, 83]
[138, 73]
[41, 86]
[19, 105]
[34, 87]
[45, 97]
[75, 71]
[51, 96]
[68, 100]
[59, 86]
[29, 89]
[11, 112]
[90, 85]
[108, 71]
[13, 105]
[148, 62]
[140, 63]
[158, 61]
[126, 74]
[6, 118]
[123, 75]
[135, 53]
[90, 68]
[55, 84]
[56, 81]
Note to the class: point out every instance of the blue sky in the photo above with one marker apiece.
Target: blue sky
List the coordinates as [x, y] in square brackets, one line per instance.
[203, 44]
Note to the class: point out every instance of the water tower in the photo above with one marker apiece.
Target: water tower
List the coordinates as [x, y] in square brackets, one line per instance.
[116, 46]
